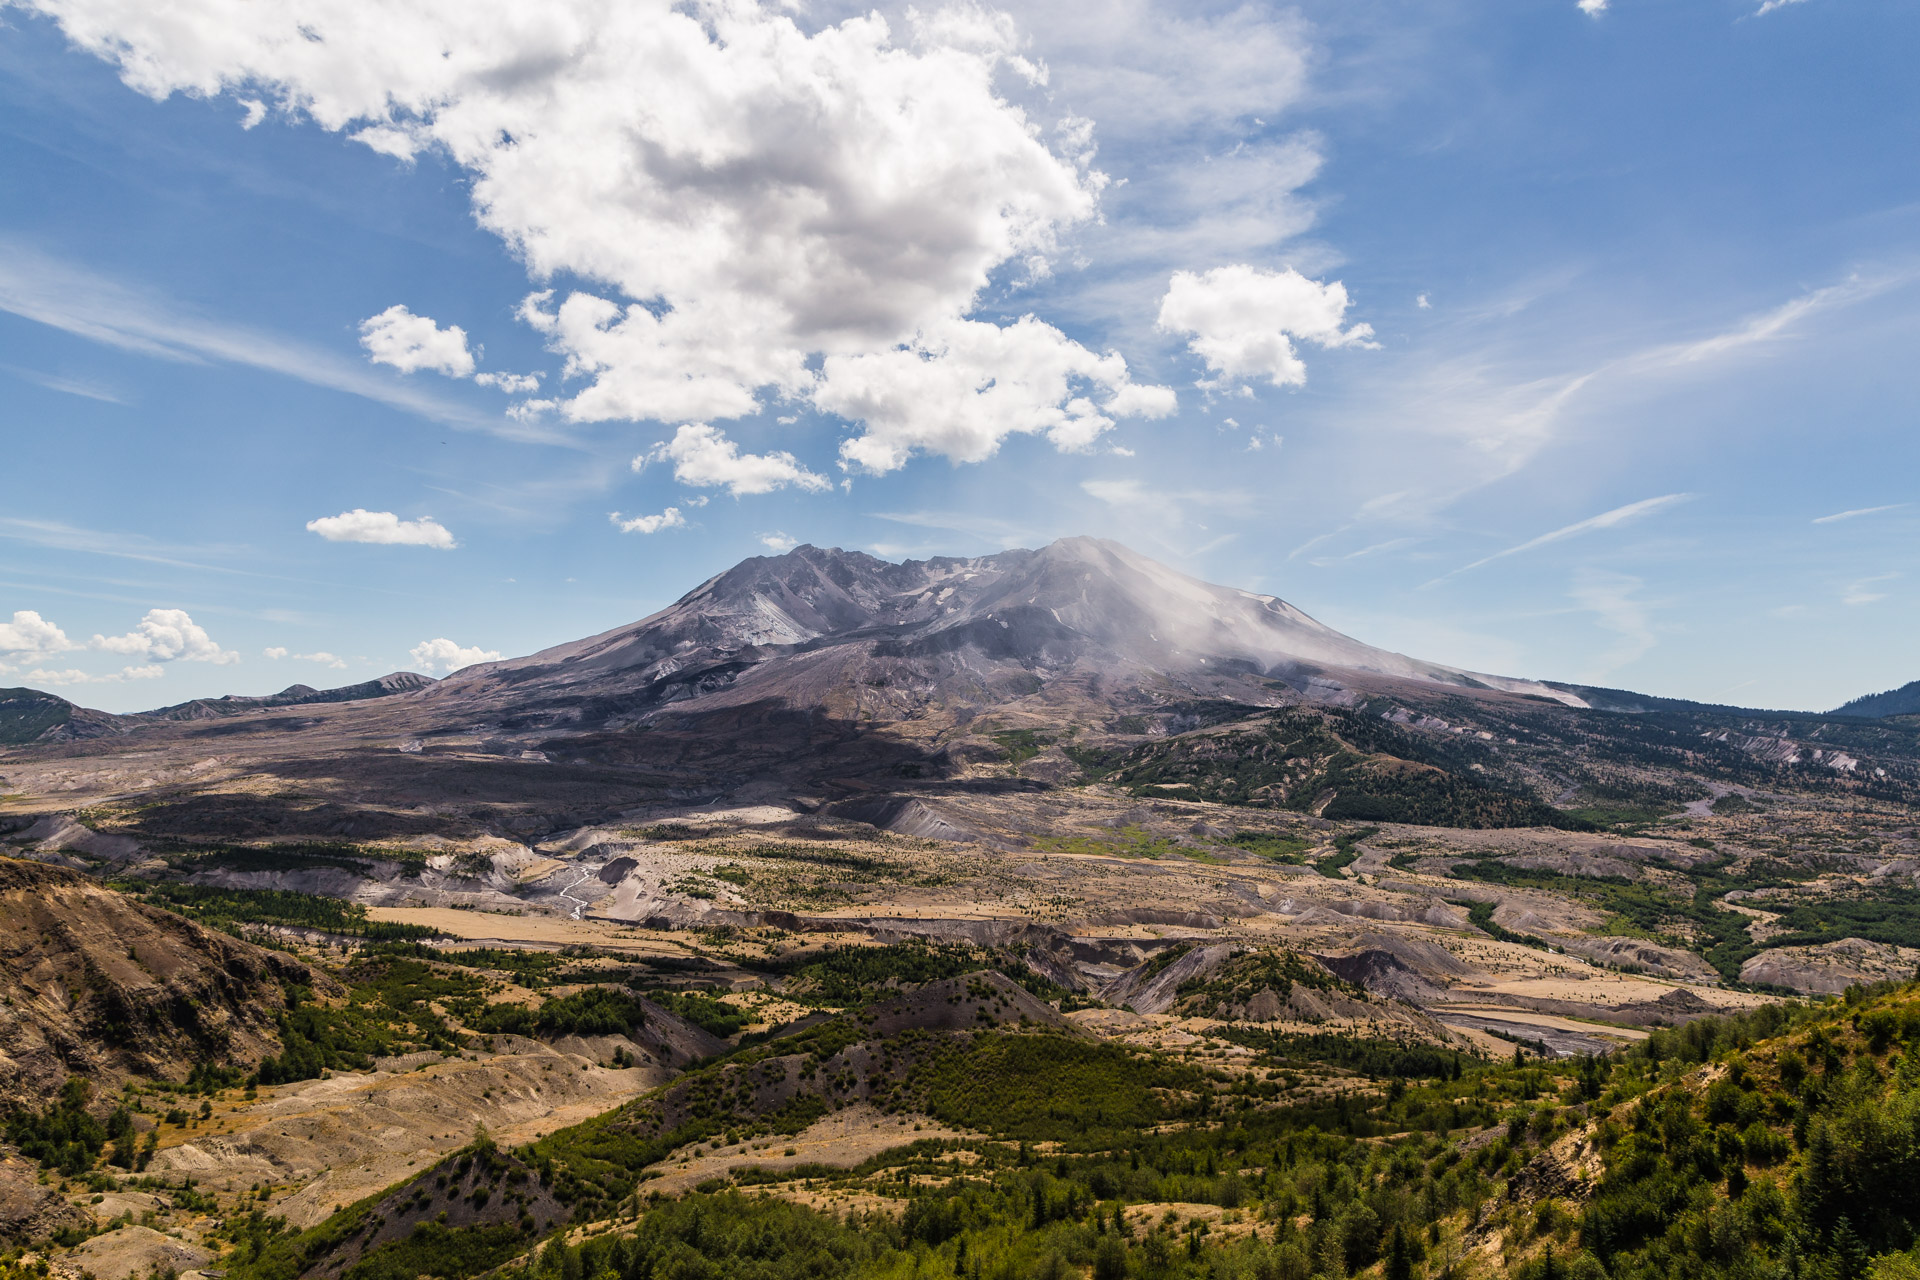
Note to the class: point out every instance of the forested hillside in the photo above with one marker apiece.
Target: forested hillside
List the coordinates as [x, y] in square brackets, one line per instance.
[1785, 1141]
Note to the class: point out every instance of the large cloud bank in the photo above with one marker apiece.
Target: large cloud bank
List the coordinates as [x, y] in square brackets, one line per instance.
[738, 206]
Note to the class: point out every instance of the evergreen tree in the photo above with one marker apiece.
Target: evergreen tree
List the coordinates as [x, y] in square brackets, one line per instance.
[1399, 1255]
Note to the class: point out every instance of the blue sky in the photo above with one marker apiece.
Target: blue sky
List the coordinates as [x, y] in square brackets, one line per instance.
[1544, 341]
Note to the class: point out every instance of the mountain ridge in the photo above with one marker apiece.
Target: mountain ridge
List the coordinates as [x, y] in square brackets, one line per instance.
[1904, 701]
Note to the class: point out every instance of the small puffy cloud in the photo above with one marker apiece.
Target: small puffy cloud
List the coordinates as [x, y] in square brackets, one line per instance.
[384, 527]
[411, 343]
[1423, 302]
[1242, 322]
[962, 389]
[448, 656]
[276, 652]
[167, 635]
[703, 456]
[514, 384]
[256, 112]
[668, 519]
[1594, 8]
[324, 658]
[779, 543]
[32, 638]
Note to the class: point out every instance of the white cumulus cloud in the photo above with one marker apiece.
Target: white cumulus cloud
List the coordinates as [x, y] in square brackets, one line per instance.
[779, 543]
[411, 343]
[31, 638]
[1242, 321]
[448, 656]
[962, 392]
[703, 456]
[361, 525]
[514, 384]
[167, 635]
[734, 197]
[1593, 8]
[276, 652]
[324, 658]
[668, 519]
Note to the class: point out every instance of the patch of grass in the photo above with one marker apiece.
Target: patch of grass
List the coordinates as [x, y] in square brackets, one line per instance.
[1052, 1087]
[532, 969]
[1127, 842]
[596, 1011]
[1346, 847]
[1369, 1056]
[1480, 915]
[1884, 915]
[715, 1017]
[1022, 745]
[813, 855]
[227, 909]
[1275, 848]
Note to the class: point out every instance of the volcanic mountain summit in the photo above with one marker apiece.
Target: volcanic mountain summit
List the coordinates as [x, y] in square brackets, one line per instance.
[852, 634]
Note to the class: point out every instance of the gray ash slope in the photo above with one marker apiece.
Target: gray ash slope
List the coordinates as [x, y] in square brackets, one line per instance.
[857, 635]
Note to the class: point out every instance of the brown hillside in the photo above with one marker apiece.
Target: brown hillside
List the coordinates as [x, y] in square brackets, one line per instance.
[93, 983]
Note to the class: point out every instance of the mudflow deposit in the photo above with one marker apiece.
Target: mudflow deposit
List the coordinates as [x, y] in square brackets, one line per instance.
[835, 860]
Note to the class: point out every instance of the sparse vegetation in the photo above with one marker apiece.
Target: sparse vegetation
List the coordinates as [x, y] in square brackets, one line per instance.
[233, 909]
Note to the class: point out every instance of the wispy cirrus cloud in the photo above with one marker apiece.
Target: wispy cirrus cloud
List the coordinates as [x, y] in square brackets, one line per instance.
[1861, 590]
[1612, 598]
[36, 287]
[1605, 520]
[65, 386]
[1838, 516]
[56, 535]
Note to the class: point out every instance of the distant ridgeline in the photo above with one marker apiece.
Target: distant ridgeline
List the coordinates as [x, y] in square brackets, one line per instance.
[31, 716]
[1904, 701]
[1460, 761]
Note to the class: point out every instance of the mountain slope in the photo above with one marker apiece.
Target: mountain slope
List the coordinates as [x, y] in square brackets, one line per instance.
[28, 715]
[1904, 701]
[95, 984]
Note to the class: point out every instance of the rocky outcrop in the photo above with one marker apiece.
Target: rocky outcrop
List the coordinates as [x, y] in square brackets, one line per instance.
[132, 1252]
[1636, 955]
[1830, 967]
[29, 1211]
